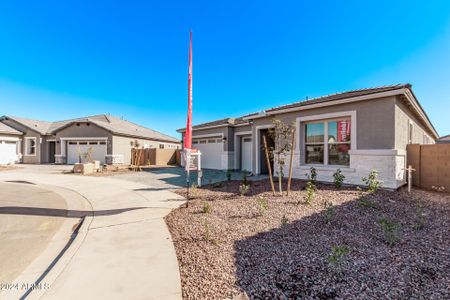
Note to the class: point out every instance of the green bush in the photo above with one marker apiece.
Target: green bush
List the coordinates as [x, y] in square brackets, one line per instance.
[312, 176]
[207, 207]
[372, 182]
[329, 211]
[243, 189]
[229, 175]
[284, 220]
[263, 204]
[338, 178]
[390, 231]
[337, 256]
[310, 192]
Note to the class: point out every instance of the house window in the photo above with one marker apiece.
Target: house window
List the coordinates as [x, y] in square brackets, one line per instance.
[328, 142]
[161, 146]
[339, 142]
[315, 143]
[194, 142]
[30, 146]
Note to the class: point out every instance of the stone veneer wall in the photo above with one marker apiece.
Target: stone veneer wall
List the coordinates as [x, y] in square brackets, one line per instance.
[390, 165]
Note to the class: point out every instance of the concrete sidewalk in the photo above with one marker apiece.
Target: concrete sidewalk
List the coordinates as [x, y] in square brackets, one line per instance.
[123, 249]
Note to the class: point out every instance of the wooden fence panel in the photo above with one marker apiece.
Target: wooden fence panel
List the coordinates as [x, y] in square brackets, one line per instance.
[432, 164]
[154, 157]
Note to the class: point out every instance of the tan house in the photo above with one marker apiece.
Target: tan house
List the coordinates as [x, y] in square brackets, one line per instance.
[356, 131]
[109, 138]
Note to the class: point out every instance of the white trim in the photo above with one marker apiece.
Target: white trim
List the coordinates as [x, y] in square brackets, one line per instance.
[258, 143]
[26, 146]
[9, 139]
[236, 134]
[329, 103]
[378, 152]
[353, 129]
[412, 99]
[324, 117]
[207, 135]
[83, 138]
[51, 140]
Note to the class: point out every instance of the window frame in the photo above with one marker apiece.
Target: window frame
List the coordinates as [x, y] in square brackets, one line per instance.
[27, 146]
[319, 118]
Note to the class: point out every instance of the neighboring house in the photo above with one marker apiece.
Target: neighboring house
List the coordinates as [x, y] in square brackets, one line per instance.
[444, 139]
[9, 139]
[110, 139]
[356, 131]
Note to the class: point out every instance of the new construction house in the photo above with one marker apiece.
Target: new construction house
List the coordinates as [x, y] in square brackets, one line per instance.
[108, 138]
[355, 131]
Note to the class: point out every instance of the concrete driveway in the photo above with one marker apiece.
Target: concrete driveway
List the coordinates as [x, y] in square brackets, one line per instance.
[122, 250]
[175, 177]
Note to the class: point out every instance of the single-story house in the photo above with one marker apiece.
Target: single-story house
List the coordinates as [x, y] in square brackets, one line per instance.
[444, 139]
[109, 138]
[355, 131]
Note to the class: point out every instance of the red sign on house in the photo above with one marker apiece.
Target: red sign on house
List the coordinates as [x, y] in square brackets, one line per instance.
[343, 128]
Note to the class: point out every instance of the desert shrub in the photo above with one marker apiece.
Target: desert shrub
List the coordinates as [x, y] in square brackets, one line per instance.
[372, 182]
[284, 220]
[207, 207]
[363, 200]
[420, 215]
[310, 192]
[312, 175]
[336, 258]
[193, 191]
[208, 236]
[229, 175]
[338, 178]
[329, 211]
[244, 179]
[263, 204]
[390, 231]
[243, 189]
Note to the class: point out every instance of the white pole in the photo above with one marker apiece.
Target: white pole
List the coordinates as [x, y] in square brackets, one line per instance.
[199, 168]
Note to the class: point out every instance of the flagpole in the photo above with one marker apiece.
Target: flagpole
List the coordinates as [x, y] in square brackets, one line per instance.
[188, 133]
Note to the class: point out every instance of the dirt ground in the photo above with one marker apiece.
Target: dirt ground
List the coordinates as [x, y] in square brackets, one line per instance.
[345, 244]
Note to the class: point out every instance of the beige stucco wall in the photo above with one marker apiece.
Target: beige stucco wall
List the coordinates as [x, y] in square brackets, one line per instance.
[403, 116]
[82, 131]
[374, 123]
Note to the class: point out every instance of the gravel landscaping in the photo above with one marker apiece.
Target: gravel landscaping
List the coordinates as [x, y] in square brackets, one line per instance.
[387, 245]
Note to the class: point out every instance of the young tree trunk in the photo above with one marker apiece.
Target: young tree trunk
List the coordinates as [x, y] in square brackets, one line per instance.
[268, 164]
[280, 175]
[291, 162]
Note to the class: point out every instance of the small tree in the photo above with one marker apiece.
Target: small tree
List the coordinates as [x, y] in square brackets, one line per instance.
[281, 133]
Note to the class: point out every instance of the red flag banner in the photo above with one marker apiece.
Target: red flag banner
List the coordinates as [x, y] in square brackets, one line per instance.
[343, 128]
[188, 133]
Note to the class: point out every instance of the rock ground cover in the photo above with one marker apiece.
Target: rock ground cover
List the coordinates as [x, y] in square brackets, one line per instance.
[385, 245]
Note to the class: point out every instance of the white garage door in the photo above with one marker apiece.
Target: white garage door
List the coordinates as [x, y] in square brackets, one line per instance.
[246, 154]
[8, 152]
[74, 148]
[211, 149]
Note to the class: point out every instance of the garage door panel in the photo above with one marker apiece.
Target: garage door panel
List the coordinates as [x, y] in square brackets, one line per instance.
[211, 150]
[8, 152]
[99, 151]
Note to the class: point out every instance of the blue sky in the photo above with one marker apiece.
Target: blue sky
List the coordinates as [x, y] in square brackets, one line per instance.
[64, 59]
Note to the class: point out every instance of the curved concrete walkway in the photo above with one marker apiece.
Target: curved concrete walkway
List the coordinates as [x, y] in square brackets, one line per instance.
[123, 250]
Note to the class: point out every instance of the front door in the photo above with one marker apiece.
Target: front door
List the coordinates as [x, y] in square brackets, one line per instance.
[262, 156]
[51, 152]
